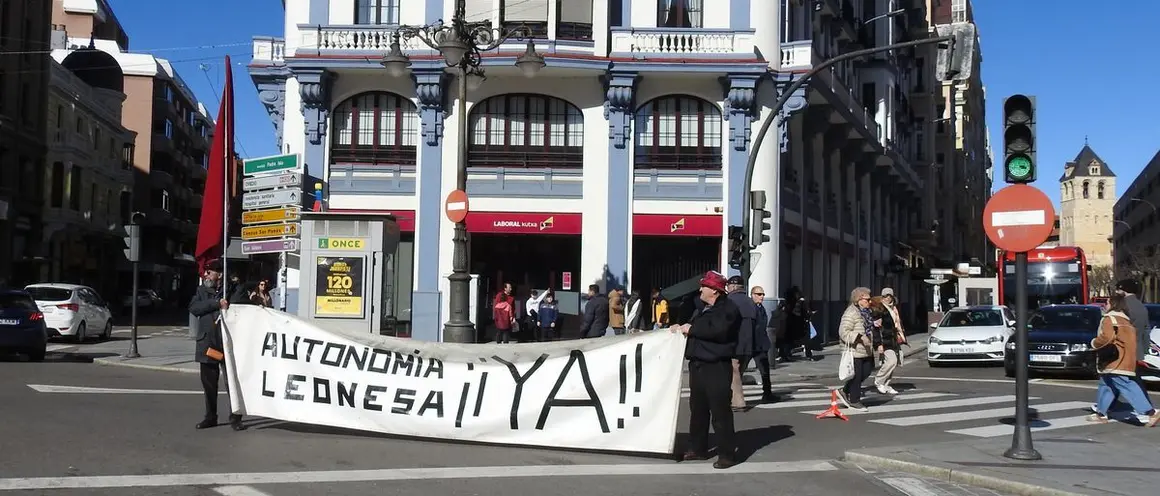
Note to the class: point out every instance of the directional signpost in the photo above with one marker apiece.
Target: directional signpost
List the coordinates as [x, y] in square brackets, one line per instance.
[269, 246]
[1018, 219]
[271, 209]
[274, 198]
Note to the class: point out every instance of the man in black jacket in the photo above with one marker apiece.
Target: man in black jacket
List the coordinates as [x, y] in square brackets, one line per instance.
[710, 349]
[745, 338]
[208, 302]
[595, 314]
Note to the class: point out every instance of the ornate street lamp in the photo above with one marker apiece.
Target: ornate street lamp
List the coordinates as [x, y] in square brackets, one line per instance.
[461, 44]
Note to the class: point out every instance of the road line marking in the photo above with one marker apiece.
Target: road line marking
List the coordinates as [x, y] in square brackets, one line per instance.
[57, 347]
[912, 486]
[46, 388]
[946, 418]
[1036, 426]
[954, 379]
[826, 402]
[783, 394]
[779, 385]
[931, 405]
[238, 491]
[397, 474]
[1036, 381]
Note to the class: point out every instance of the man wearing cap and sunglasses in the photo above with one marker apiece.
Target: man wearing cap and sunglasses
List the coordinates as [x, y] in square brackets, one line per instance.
[711, 347]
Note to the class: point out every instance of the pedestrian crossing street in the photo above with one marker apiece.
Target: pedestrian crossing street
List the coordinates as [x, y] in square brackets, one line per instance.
[973, 416]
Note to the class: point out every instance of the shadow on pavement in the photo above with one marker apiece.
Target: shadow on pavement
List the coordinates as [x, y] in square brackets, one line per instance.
[52, 357]
[749, 441]
[175, 317]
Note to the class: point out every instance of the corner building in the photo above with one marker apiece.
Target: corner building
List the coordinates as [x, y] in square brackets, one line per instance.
[622, 162]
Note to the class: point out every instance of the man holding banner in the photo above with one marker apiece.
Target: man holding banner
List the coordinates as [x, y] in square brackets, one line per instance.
[711, 346]
[207, 304]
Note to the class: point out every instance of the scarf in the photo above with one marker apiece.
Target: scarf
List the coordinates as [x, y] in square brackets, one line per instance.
[867, 320]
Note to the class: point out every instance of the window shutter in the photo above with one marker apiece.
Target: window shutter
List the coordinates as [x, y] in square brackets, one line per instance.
[478, 10]
[526, 10]
[576, 11]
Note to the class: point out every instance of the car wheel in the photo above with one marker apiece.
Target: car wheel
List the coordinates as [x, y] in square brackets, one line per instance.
[1009, 371]
[932, 364]
[37, 355]
[79, 337]
[108, 332]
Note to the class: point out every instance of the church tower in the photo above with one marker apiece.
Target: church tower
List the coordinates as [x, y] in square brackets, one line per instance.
[1087, 195]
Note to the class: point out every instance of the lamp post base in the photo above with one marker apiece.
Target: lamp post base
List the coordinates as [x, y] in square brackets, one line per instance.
[1025, 454]
[459, 328]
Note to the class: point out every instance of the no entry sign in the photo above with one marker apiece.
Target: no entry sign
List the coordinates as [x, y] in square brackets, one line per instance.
[1019, 218]
[456, 206]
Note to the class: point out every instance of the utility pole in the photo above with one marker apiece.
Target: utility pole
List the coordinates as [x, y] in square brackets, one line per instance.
[133, 254]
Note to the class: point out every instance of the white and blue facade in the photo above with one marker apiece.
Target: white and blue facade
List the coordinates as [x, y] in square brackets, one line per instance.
[644, 114]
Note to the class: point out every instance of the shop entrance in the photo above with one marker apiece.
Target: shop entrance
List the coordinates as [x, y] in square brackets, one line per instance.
[529, 262]
[661, 261]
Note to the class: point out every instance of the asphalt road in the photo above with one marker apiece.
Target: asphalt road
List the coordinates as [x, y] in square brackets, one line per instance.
[94, 441]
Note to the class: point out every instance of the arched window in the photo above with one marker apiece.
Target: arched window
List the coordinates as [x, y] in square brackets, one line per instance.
[1100, 190]
[375, 128]
[521, 130]
[678, 132]
[1085, 190]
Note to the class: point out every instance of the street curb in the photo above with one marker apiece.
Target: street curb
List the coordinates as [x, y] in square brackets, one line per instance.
[164, 368]
[953, 475]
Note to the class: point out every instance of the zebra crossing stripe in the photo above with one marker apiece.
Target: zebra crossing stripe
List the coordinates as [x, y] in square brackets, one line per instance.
[1036, 426]
[946, 418]
[826, 402]
[932, 405]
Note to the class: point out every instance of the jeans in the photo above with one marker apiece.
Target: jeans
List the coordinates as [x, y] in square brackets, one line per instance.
[1128, 390]
[863, 368]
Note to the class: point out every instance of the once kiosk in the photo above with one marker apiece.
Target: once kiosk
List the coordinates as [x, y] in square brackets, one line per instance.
[342, 281]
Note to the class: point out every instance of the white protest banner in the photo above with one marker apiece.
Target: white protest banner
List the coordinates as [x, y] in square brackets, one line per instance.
[615, 394]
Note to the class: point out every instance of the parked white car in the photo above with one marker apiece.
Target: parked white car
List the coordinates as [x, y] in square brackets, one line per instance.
[970, 334]
[71, 310]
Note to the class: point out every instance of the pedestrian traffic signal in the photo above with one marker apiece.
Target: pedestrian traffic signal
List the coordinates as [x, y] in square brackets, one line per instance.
[1019, 139]
[132, 237]
[760, 224]
[736, 246]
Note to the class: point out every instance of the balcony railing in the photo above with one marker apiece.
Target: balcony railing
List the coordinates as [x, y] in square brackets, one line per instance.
[678, 42]
[559, 159]
[673, 158]
[374, 156]
[269, 50]
[797, 55]
[356, 38]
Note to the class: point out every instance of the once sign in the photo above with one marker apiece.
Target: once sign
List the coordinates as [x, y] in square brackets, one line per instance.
[1019, 218]
[275, 181]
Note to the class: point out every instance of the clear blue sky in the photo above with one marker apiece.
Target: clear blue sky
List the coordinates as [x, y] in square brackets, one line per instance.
[1090, 65]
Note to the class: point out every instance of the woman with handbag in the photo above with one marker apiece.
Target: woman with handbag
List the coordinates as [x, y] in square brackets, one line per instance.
[856, 331]
[1116, 353]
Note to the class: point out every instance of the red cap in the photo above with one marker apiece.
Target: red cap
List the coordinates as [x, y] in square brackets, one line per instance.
[713, 280]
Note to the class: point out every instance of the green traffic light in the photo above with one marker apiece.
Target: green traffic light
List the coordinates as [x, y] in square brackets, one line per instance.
[1019, 167]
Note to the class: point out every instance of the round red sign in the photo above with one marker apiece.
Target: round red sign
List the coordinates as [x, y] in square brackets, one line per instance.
[1019, 218]
[456, 206]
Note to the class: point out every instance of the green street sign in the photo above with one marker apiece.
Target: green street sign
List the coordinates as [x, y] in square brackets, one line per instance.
[266, 165]
[1019, 167]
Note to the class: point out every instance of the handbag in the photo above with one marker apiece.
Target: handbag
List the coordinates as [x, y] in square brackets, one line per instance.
[1108, 353]
[846, 365]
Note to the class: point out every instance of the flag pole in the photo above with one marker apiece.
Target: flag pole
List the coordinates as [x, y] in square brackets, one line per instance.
[228, 141]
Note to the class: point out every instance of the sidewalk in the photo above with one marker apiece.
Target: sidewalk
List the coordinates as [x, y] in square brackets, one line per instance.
[175, 353]
[1121, 459]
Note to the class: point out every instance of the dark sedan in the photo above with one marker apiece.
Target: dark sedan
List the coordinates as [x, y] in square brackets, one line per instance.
[1059, 340]
[22, 328]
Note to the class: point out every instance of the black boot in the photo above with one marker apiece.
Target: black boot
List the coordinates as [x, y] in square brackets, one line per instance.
[236, 423]
[207, 423]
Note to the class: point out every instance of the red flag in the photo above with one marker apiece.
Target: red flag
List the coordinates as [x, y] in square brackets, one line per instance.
[211, 238]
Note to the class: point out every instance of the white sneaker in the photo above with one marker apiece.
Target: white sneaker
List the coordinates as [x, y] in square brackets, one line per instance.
[881, 389]
[891, 391]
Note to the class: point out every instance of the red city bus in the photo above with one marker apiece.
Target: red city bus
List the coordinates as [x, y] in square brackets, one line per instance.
[1054, 276]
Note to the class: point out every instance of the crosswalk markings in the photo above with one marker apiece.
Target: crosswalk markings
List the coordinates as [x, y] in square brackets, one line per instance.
[57, 347]
[826, 402]
[1036, 426]
[934, 405]
[978, 414]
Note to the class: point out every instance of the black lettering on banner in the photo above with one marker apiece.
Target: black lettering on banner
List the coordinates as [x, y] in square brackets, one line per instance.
[371, 396]
[434, 401]
[291, 387]
[576, 357]
[333, 362]
[479, 394]
[386, 360]
[270, 343]
[462, 402]
[346, 396]
[434, 366]
[470, 366]
[404, 401]
[266, 389]
[419, 368]
[639, 365]
[403, 364]
[520, 380]
[292, 353]
[310, 344]
[623, 378]
[360, 362]
[321, 389]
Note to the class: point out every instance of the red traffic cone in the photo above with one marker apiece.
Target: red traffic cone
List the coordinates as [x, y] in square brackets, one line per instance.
[833, 411]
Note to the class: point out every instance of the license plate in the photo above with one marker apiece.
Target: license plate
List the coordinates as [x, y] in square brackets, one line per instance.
[48, 309]
[10, 322]
[962, 351]
[1047, 358]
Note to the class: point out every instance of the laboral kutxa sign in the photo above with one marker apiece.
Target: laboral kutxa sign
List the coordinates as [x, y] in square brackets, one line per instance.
[339, 287]
[619, 393]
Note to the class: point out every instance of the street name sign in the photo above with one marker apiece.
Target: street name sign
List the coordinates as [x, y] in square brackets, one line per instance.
[1018, 218]
[272, 181]
[268, 165]
[270, 231]
[269, 246]
[271, 215]
[274, 198]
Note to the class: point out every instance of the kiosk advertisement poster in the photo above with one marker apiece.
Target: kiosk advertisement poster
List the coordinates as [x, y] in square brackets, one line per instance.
[339, 287]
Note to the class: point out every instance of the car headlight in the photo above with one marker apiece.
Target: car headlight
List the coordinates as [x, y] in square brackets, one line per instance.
[1079, 347]
[934, 340]
[994, 339]
[1011, 345]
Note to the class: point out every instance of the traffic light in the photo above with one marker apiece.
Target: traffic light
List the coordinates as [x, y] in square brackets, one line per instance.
[132, 237]
[736, 246]
[760, 224]
[956, 59]
[1019, 139]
